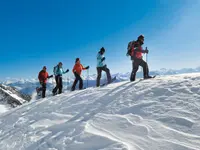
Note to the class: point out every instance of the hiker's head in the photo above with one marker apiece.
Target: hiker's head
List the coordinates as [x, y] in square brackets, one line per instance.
[44, 68]
[102, 50]
[60, 64]
[141, 39]
[77, 60]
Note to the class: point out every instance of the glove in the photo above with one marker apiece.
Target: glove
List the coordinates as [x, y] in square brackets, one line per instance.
[87, 67]
[103, 59]
[67, 70]
[50, 76]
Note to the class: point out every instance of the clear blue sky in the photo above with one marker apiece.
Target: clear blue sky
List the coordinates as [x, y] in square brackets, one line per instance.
[35, 33]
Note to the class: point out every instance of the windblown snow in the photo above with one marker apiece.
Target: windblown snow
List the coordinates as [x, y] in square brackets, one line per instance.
[155, 114]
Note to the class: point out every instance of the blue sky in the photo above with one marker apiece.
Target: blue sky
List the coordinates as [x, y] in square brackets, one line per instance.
[36, 33]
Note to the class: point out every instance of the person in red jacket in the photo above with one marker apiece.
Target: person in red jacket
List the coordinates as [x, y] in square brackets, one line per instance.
[43, 76]
[136, 52]
[78, 67]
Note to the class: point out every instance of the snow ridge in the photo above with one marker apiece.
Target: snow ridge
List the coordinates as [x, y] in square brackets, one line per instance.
[155, 114]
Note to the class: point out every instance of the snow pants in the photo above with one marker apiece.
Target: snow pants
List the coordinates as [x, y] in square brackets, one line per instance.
[59, 85]
[43, 89]
[99, 71]
[135, 65]
[77, 78]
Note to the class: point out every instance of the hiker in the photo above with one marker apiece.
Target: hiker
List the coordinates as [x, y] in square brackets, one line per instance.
[101, 66]
[43, 76]
[135, 50]
[78, 67]
[58, 72]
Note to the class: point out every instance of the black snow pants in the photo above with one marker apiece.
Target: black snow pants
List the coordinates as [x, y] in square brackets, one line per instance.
[59, 85]
[77, 78]
[135, 65]
[99, 70]
[43, 89]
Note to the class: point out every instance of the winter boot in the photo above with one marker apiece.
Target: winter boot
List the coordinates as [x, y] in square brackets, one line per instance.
[147, 77]
[132, 78]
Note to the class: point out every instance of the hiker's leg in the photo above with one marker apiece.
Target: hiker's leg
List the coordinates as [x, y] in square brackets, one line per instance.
[135, 67]
[43, 90]
[99, 70]
[60, 85]
[145, 68]
[107, 73]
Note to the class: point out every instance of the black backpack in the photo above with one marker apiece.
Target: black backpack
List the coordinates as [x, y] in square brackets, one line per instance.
[55, 69]
[129, 47]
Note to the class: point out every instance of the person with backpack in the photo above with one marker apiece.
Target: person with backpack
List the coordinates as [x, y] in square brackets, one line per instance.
[101, 66]
[135, 50]
[43, 76]
[58, 72]
[77, 69]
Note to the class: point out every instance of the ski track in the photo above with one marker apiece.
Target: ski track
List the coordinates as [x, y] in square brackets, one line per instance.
[156, 114]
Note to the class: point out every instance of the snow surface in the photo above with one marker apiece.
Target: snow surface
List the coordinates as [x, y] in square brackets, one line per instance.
[156, 114]
[3, 108]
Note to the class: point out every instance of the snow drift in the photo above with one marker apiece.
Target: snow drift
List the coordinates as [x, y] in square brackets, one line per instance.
[155, 114]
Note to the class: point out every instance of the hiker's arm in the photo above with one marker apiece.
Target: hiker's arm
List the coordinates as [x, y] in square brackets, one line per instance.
[136, 49]
[50, 76]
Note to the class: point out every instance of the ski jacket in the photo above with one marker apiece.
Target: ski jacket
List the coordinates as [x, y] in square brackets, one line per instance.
[59, 71]
[100, 63]
[78, 68]
[136, 51]
[43, 76]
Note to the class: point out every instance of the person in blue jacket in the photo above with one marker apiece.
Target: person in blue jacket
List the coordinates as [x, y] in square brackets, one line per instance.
[58, 72]
[101, 66]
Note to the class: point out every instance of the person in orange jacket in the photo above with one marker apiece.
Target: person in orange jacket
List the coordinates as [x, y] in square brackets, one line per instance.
[43, 76]
[78, 67]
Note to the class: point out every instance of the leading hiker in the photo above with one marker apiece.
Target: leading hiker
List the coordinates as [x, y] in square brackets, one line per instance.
[135, 50]
[101, 66]
[58, 72]
[43, 76]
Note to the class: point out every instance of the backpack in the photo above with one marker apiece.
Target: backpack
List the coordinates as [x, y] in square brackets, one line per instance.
[130, 47]
[55, 69]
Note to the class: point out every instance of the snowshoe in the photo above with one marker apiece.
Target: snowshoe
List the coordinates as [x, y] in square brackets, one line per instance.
[149, 77]
[112, 80]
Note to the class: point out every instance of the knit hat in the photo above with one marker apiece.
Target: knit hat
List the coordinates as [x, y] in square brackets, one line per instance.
[102, 49]
[77, 59]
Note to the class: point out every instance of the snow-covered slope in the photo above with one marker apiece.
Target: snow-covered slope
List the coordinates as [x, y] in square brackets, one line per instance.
[157, 114]
[11, 96]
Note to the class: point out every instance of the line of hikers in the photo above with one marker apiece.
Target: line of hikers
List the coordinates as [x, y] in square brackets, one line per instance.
[134, 50]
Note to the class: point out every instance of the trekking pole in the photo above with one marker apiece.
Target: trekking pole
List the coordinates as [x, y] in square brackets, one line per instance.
[146, 59]
[146, 56]
[87, 77]
[67, 81]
